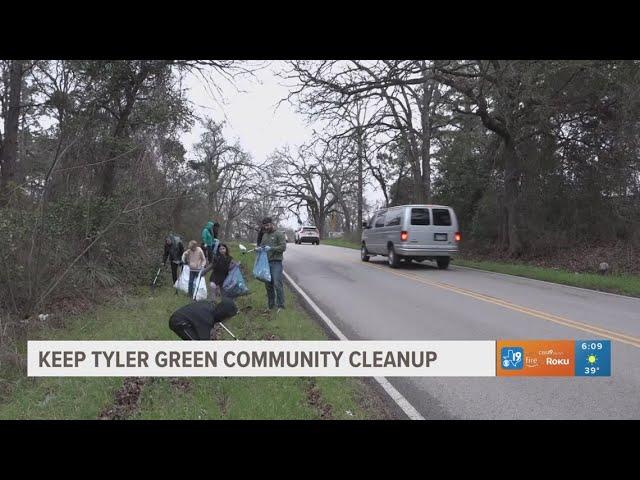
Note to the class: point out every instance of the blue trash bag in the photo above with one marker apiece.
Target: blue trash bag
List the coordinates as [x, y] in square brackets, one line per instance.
[234, 284]
[261, 270]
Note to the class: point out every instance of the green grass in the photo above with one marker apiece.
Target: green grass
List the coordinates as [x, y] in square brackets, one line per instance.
[340, 242]
[144, 316]
[623, 284]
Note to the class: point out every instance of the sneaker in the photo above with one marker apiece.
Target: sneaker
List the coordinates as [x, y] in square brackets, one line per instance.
[267, 311]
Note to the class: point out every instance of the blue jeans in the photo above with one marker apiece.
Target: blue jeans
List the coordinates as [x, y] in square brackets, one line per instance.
[275, 290]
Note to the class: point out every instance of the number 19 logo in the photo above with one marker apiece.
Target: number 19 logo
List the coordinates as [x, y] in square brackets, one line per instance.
[511, 358]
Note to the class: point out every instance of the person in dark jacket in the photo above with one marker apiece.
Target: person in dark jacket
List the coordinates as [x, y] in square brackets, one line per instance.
[273, 242]
[196, 321]
[219, 270]
[173, 250]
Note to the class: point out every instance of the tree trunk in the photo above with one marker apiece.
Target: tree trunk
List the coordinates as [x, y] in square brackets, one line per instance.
[109, 169]
[347, 215]
[425, 147]
[227, 229]
[360, 153]
[511, 188]
[317, 213]
[417, 195]
[9, 147]
[426, 169]
[178, 209]
[212, 186]
[416, 177]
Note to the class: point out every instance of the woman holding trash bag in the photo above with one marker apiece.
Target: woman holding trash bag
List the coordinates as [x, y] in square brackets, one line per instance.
[219, 270]
[195, 258]
[274, 243]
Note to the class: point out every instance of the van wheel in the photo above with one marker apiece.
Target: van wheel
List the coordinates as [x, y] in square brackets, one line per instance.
[364, 255]
[443, 262]
[392, 258]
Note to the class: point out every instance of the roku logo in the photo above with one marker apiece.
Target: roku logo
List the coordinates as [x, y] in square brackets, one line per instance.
[558, 361]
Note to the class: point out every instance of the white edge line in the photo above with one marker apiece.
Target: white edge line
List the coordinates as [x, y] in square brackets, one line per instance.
[395, 395]
[582, 289]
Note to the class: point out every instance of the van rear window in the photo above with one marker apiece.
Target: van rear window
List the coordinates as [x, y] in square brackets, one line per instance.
[419, 216]
[442, 217]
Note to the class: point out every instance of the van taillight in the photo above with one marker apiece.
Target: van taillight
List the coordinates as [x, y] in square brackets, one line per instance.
[458, 236]
[404, 236]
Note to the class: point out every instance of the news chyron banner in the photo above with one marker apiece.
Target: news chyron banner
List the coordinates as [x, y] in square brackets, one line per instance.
[502, 358]
[560, 358]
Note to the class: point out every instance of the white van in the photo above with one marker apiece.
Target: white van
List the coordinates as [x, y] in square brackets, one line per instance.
[411, 232]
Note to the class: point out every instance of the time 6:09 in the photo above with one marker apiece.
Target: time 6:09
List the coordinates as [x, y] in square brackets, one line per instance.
[591, 346]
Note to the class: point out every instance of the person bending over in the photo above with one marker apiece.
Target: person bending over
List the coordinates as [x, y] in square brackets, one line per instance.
[196, 321]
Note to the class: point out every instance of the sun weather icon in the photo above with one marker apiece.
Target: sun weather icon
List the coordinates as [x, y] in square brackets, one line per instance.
[593, 358]
[512, 358]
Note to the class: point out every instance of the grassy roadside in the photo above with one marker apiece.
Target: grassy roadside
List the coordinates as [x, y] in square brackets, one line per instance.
[622, 284]
[145, 317]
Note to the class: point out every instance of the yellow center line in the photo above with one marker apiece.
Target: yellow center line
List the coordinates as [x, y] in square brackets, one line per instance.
[610, 334]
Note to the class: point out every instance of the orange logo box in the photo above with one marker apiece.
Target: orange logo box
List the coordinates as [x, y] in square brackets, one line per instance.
[540, 358]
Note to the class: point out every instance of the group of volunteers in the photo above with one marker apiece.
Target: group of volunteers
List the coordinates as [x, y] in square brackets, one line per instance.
[198, 320]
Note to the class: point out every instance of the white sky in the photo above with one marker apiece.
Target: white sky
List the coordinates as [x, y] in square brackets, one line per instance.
[250, 111]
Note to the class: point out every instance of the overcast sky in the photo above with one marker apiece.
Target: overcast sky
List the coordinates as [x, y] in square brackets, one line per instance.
[251, 112]
[252, 115]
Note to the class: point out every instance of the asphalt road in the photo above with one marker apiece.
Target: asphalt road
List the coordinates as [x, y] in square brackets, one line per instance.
[370, 301]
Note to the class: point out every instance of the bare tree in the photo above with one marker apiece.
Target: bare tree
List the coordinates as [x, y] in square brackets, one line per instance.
[216, 160]
[301, 183]
[237, 184]
[337, 166]
[403, 99]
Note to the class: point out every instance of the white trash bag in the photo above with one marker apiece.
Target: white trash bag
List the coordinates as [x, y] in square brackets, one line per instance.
[199, 284]
[199, 288]
[182, 283]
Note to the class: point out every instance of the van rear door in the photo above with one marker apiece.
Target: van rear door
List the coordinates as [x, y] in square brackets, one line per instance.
[419, 226]
[432, 227]
[444, 226]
